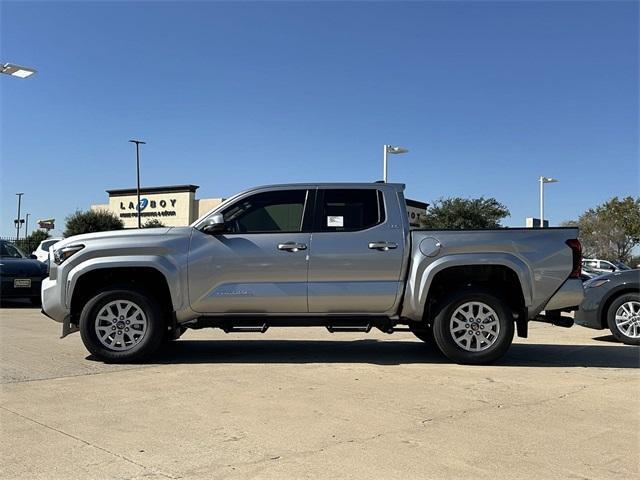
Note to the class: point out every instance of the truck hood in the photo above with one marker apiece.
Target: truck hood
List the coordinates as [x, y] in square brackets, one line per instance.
[126, 236]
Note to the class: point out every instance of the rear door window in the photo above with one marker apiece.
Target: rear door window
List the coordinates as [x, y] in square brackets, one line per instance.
[347, 210]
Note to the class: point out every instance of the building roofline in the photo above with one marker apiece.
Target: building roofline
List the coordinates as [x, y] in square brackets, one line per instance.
[146, 190]
[416, 204]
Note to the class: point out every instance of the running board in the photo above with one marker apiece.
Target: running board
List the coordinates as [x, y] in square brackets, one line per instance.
[352, 328]
[246, 329]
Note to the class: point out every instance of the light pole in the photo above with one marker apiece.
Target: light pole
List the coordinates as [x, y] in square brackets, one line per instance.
[138, 143]
[394, 151]
[26, 225]
[542, 181]
[18, 220]
[16, 70]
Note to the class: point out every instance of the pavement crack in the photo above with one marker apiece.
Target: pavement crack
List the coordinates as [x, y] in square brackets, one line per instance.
[74, 375]
[86, 442]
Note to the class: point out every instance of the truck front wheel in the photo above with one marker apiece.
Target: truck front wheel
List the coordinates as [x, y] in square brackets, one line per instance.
[473, 328]
[122, 325]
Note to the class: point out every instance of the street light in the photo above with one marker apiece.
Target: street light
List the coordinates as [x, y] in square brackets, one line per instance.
[16, 70]
[18, 219]
[542, 181]
[394, 151]
[138, 142]
[26, 225]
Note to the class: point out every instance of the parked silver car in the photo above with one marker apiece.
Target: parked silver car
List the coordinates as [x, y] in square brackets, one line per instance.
[335, 255]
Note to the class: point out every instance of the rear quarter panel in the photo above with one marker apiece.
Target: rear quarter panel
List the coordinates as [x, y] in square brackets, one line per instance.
[540, 258]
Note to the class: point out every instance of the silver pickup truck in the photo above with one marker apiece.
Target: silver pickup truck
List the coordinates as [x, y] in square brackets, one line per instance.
[340, 256]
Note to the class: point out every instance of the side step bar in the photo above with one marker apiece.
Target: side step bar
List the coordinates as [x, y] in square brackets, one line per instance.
[345, 328]
[246, 329]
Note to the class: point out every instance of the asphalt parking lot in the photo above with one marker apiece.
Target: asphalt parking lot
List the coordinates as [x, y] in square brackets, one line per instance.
[302, 403]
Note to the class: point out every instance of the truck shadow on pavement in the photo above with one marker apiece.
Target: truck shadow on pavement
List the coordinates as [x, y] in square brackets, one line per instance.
[386, 353]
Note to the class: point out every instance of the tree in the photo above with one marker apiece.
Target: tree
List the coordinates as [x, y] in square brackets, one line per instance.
[91, 221]
[464, 213]
[153, 223]
[29, 243]
[610, 231]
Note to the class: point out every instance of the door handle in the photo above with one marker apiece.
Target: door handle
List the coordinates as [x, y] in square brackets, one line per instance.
[384, 246]
[291, 246]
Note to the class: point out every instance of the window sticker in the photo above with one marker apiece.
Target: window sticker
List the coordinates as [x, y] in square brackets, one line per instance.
[333, 221]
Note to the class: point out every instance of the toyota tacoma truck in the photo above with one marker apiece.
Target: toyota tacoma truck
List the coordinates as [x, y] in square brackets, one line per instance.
[340, 256]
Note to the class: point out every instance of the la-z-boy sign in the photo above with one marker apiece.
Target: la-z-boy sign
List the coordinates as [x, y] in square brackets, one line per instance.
[157, 208]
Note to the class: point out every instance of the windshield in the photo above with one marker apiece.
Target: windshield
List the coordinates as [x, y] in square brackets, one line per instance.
[10, 250]
[621, 266]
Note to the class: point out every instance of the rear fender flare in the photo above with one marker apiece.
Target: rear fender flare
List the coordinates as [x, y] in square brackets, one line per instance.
[422, 274]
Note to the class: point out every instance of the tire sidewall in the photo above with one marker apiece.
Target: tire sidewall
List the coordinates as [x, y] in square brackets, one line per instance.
[149, 343]
[611, 318]
[444, 339]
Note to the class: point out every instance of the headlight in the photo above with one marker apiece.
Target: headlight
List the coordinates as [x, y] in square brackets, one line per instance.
[596, 282]
[61, 254]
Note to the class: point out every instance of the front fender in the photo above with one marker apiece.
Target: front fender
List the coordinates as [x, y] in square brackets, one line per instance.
[423, 271]
[169, 270]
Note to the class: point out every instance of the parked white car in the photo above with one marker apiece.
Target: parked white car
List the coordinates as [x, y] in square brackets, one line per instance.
[42, 252]
[604, 266]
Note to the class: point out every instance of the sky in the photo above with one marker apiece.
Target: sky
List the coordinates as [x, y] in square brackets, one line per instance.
[487, 96]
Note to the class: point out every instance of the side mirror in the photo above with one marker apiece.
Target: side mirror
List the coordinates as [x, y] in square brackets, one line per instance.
[33, 257]
[214, 224]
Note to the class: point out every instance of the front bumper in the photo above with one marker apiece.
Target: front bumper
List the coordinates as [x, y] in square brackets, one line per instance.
[589, 313]
[52, 304]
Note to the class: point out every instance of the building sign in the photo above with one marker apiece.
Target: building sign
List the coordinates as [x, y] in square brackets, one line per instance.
[416, 211]
[149, 207]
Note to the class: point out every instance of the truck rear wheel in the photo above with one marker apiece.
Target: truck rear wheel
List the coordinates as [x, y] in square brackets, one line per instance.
[122, 325]
[473, 328]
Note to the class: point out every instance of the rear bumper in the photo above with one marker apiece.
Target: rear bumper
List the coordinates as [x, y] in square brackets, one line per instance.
[568, 297]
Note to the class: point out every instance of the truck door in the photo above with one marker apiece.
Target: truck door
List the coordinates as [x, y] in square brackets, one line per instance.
[356, 253]
[259, 263]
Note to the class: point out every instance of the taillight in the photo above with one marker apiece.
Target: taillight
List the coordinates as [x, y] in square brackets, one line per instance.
[576, 248]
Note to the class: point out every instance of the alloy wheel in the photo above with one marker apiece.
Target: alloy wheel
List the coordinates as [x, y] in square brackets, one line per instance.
[121, 325]
[474, 326]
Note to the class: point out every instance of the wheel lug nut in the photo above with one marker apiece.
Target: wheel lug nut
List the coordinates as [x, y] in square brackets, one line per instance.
[113, 328]
[481, 327]
[466, 326]
[128, 322]
[126, 329]
[119, 332]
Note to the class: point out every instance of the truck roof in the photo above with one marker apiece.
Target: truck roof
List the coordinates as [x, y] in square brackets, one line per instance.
[397, 186]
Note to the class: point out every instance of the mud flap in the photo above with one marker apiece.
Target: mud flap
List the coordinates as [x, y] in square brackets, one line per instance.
[68, 327]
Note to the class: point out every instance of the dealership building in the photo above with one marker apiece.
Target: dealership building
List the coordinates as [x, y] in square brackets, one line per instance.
[177, 205]
[173, 206]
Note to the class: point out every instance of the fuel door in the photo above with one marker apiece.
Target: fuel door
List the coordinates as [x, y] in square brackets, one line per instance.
[430, 246]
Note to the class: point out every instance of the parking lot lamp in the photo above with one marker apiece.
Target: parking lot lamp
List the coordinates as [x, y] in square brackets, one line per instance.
[138, 143]
[26, 225]
[394, 151]
[542, 181]
[18, 219]
[16, 70]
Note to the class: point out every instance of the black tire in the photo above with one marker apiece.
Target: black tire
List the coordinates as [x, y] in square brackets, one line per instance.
[497, 345]
[146, 345]
[423, 332]
[611, 318]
